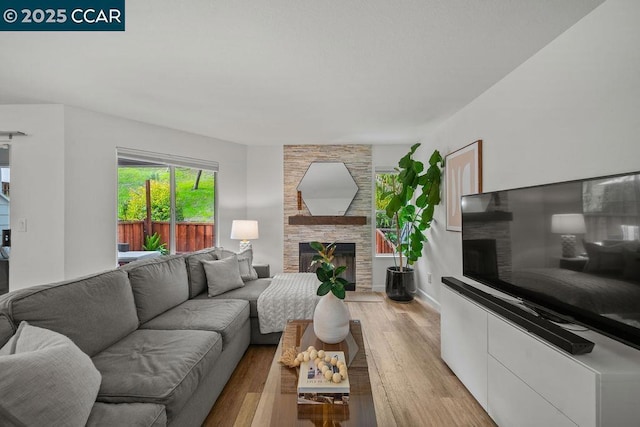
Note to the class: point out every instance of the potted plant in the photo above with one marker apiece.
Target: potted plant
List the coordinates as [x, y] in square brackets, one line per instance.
[412, 198]
[153, 243]
[331, 316]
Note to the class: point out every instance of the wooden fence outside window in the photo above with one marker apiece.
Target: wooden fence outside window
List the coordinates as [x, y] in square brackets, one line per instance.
[190, 236]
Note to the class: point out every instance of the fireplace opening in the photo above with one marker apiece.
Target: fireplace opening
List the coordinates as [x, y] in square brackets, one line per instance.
[345, 254]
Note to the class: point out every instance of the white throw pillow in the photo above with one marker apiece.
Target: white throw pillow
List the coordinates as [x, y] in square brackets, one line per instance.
[223, 275]
[45, 380]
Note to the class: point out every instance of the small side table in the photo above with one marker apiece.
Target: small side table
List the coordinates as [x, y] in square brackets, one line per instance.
[575, 264]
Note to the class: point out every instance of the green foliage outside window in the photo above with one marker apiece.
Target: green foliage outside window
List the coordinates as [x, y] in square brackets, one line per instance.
[135, 208]
[192, 204]
[384, 183]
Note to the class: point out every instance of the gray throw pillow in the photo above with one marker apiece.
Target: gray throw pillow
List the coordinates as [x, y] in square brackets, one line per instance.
[222, 275]
[6, 329]
[245, 262]
[46, 380]
[195, 270]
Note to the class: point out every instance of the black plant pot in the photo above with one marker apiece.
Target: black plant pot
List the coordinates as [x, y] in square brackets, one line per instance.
[400, 285]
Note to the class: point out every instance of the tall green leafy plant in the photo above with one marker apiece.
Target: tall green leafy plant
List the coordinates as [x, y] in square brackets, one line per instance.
[327, 273]
[412, 199]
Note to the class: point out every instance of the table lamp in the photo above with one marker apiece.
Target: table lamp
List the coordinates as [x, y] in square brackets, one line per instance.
[568, 225]
[244, 230]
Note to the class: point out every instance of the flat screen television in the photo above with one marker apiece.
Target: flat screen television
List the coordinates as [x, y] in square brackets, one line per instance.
[569, 250]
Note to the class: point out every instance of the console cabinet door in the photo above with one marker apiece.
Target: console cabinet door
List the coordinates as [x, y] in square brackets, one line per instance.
[559, 378]
[514, 403]
[463, 332]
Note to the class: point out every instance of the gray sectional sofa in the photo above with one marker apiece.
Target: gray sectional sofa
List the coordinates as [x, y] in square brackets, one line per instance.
[164, 350]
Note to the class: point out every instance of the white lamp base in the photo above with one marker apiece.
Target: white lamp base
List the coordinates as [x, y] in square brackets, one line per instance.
[244, 245]
[568, 245]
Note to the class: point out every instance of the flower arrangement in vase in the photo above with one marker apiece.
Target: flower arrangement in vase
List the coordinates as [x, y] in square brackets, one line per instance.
[331, 316]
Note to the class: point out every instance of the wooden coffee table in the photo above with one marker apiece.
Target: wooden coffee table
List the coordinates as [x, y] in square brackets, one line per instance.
[278, 404]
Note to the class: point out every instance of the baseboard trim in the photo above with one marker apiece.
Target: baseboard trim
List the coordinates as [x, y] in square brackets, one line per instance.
[422, 295]
[428, 299]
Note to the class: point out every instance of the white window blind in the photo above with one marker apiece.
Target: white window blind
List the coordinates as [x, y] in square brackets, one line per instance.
[134, 156]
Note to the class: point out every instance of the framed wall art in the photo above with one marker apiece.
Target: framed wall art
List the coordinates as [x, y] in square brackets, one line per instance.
[463, 169]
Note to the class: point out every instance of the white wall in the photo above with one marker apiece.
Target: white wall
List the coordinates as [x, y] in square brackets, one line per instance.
[64, 177]
[265, 186]
[37, 193]
[570, 111]
[91, 178]
[76, 173]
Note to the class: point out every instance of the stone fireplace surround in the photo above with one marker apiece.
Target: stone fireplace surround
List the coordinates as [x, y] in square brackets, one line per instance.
[358, 161]
[344, 254]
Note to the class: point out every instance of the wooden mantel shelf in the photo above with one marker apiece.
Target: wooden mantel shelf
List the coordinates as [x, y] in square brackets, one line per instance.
[327, 220]
[489, 216]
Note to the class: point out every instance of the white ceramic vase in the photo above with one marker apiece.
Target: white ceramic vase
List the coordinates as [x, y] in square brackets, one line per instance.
[331, 319]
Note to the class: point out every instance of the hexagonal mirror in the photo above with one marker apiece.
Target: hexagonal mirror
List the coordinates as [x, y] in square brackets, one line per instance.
[327, 188]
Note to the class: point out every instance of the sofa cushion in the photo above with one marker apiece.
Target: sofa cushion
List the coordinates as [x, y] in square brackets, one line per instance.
[94, 312]
[6, 328]
[222, 275]
[46, 380]
[223, 316]
[249, 292]
[158, 284]
[152, 366]
[195, 270]
[127, 414]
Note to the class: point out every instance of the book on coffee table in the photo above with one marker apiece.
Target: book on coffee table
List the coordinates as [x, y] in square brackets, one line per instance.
[314, 388]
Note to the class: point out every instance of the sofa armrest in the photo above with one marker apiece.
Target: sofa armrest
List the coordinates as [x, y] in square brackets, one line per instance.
[263, 270]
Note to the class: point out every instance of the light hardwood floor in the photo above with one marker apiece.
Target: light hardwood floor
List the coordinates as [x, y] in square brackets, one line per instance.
[411, 385]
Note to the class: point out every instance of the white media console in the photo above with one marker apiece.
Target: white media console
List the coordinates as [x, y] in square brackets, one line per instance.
[522, 380]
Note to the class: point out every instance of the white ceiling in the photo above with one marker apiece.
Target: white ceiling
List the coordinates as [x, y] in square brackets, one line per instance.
[287, 71]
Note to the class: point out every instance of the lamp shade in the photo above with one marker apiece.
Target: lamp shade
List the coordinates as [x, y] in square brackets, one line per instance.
[244, 229]
[568, 224]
